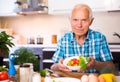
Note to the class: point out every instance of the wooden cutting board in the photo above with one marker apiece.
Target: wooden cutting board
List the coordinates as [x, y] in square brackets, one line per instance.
[70, 74]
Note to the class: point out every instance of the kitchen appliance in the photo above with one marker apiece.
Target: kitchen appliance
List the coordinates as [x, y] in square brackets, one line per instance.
[31, 7]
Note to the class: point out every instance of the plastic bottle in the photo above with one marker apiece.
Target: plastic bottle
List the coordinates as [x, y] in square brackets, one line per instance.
[12, 70]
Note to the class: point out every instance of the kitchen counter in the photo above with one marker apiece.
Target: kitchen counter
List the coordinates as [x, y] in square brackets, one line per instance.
[52, 47]
[117, 79]
[74, 75]
[46, 47]
[114, 47]
[38, 45]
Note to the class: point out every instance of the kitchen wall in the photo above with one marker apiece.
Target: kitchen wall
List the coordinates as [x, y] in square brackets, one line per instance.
[47, 25]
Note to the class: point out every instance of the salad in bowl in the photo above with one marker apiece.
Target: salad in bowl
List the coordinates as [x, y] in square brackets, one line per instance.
[76, 62]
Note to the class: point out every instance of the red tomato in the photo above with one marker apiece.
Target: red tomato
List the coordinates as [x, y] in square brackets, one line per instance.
[4, 75]
[75, 61]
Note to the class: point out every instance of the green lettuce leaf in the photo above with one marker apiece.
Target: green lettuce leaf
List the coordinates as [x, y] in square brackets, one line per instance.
[83, 62]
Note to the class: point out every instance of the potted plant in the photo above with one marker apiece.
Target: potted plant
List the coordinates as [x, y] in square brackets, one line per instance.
[5, 44]
[25, 55]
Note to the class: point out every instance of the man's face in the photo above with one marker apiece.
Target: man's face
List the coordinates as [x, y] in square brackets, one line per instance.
[80, 21]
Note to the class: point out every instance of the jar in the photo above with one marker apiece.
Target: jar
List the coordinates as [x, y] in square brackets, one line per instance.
[54, 39]
[39, 40]
[36, 77]
[31, 40]
[25, 72]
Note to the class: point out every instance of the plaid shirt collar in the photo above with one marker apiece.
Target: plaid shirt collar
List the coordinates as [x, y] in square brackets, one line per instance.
[89, 34]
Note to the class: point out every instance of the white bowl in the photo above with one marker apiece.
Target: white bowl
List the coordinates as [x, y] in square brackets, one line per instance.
[82, 63]
[71, 67]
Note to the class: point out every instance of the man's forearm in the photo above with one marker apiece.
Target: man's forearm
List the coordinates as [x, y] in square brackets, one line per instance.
[100, 65]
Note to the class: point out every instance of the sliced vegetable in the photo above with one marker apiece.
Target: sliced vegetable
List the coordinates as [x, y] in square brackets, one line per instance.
[3, 68]
[43, 72]
[83, 63]
[73, 62]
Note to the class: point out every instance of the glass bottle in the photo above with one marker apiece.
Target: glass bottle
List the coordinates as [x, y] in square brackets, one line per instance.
[47, 77]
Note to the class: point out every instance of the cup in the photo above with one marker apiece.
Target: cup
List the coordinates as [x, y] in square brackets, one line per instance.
[36, 77]
[39, 40]
[26, 72]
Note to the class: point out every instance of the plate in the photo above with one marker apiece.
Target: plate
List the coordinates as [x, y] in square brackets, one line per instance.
[65, 79]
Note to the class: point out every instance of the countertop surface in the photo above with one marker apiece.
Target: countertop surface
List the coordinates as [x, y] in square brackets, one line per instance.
[52, 47]
[74, 75]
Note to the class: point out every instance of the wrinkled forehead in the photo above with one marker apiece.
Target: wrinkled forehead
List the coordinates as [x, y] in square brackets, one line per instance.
[82, 8]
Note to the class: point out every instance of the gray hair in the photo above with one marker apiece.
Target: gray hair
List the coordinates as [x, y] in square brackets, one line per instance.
[78, 6]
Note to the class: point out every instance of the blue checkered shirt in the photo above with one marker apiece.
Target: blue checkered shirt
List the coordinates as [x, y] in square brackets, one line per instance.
[95, 45]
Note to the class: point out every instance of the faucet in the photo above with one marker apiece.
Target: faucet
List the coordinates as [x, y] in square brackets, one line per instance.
[116, 34]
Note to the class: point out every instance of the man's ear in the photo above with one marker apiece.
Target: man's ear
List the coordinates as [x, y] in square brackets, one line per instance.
[91, 21]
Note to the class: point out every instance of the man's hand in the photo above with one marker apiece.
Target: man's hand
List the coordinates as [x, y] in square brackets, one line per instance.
[63, 67]
[60, 67]
[91, 63]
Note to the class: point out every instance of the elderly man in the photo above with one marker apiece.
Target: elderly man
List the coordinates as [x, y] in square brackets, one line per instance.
[83, 41]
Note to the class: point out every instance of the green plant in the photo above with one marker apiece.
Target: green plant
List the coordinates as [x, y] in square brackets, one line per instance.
[26, 56]
[5, 43]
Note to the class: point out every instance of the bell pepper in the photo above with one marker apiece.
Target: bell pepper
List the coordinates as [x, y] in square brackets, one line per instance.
[109, 77]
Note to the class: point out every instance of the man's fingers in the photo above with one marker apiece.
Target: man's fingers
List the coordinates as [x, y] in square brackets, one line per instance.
[61, 61]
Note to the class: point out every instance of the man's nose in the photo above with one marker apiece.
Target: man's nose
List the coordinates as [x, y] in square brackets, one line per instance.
[80, 23]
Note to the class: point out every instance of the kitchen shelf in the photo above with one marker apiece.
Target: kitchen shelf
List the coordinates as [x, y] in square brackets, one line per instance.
[114, 47]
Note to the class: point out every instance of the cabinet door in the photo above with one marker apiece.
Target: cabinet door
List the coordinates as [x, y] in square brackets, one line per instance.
[112, 5]
[7, 7]
[47, 59]
[65, 6]
[96, 5]
[61, 6]
[116, 59]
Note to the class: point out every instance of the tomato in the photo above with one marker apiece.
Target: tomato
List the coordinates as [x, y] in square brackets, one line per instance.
[4, 75]
[73, 62]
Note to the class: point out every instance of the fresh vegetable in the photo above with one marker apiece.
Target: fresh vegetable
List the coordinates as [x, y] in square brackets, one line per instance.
[106, 77]
[93, 78]
[4, 75]
[109, 77]
[43, 72]
[101, 79]
[83, 62]
[85, 78]
[80, 61]
[73, 62]
[3, 68]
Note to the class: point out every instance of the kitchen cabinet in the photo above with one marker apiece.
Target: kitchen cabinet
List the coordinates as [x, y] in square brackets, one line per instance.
[115, 50]
[7, 7]
[47, 58]
[116, 59]
[65, 6]
[42, 51]
[112, 5]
